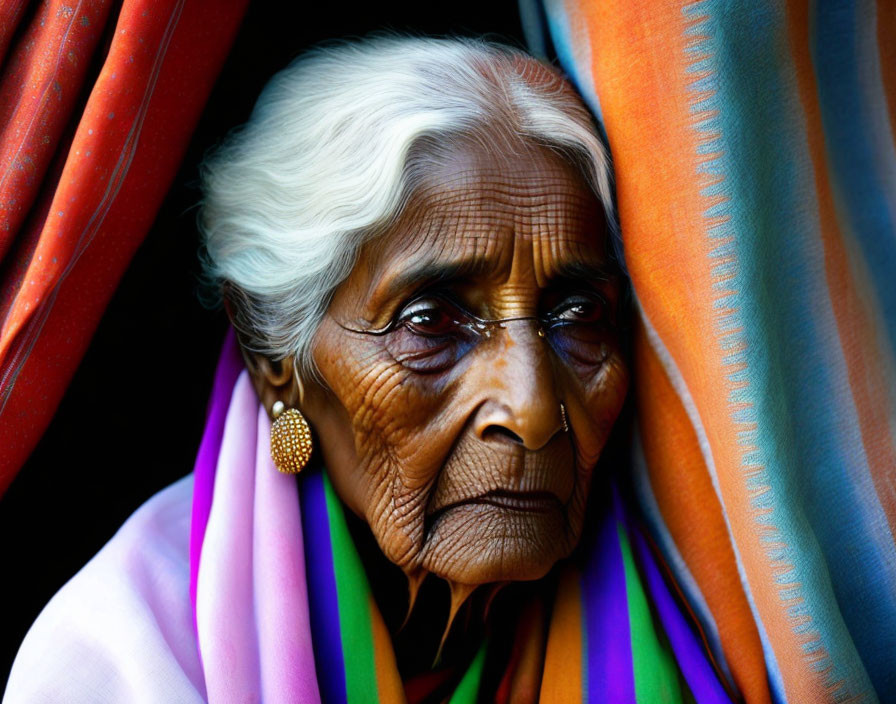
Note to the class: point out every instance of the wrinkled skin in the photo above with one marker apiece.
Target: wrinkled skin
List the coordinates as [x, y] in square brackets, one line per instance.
[451, 446]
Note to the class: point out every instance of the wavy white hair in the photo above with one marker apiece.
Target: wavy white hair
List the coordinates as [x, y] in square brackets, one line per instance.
[327, 159]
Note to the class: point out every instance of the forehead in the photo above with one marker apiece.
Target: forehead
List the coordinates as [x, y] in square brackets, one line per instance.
[488, 211]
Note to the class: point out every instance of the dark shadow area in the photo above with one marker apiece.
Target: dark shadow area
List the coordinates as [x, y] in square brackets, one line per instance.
[131, 421]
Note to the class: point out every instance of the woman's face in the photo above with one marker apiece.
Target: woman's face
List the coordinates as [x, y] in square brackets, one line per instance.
[446, 435]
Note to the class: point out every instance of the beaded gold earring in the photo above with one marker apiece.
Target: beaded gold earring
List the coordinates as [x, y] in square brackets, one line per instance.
[290, 439]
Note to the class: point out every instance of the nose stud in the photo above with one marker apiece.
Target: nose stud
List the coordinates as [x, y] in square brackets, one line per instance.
[563, 418]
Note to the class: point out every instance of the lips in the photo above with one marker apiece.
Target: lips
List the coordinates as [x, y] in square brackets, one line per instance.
[525, 501]
[506, 476]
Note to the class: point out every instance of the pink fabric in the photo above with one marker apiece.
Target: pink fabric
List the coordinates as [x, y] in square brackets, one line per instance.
[230, 364]
[122, 629]
[252, 598]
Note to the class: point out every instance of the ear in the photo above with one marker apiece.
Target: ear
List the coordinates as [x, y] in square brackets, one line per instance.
[273, 380]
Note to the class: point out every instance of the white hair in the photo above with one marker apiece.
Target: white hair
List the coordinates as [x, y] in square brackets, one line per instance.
[323, 165]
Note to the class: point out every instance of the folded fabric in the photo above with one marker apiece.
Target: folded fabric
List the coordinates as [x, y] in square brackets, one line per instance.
[282, 610]
[98, 101]
[754, 157]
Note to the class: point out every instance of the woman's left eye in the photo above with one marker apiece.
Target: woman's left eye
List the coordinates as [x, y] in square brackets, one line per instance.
[578, 330]
[577, 309]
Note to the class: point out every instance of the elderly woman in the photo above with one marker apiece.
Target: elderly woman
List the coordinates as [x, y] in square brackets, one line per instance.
[411, 240]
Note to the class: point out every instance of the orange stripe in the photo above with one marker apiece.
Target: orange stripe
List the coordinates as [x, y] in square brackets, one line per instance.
[862, 347]
[646, 97]
[388, 681]
[561, 682]
[684, 492]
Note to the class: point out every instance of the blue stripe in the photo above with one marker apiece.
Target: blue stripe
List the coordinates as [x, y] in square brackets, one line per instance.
[324, 608]
[807, 449]
[606, 629]
[568, 48]
[535, 27]
[843, 50]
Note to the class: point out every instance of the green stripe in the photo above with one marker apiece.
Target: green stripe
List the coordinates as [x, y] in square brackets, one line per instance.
[656, 674]
[353, 596]
[468, 688]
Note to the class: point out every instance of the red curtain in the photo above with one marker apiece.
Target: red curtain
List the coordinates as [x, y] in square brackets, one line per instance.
[98, 101]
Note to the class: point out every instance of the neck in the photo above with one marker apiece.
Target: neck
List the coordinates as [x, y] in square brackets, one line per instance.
[439, 628]
[433, 650]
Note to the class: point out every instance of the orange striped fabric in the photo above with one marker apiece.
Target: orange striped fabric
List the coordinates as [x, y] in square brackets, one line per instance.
[753, 148]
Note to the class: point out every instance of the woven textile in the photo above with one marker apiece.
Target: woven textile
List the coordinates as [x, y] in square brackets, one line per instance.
[97, 105]
[753, 144]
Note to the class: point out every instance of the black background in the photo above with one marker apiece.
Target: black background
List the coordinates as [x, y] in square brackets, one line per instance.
[131, 421]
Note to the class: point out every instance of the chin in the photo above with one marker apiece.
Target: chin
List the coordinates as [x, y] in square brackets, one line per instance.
[479, 543]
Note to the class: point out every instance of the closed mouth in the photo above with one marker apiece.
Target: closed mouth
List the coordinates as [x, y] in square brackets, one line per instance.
[526, 501]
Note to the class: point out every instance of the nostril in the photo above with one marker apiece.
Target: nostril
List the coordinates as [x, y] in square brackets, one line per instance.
[500, 431]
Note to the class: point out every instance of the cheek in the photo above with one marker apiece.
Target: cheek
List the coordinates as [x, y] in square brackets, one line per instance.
[403, 427]
[601, 397]
[398, 427]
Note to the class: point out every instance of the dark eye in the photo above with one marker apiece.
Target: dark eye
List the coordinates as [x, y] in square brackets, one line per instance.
[577, 309]
[430, 335]
[578, 331]
[432, 317]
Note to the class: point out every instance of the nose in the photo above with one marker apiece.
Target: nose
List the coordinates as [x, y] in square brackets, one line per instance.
[521, 397]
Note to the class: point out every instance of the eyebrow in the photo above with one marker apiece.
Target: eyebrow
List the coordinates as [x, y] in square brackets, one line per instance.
[434, 272]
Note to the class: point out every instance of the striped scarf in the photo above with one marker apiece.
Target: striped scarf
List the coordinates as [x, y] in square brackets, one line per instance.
[284, 611]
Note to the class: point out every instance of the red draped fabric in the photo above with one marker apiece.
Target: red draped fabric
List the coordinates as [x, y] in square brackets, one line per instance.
[98, 101]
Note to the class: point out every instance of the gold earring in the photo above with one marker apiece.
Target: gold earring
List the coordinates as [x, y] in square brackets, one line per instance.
[290, 439]
[563, 418]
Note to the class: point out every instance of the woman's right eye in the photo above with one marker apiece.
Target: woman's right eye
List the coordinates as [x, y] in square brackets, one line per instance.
[430, 335]
[431, 317]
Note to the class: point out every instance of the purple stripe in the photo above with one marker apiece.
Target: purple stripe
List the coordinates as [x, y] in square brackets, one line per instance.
[322, 595]
[230, 364]
[688, 649]
[611, 676]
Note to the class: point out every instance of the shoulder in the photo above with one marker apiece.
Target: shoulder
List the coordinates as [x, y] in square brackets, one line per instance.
[121, 629]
